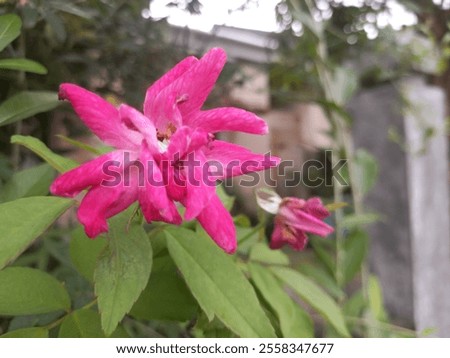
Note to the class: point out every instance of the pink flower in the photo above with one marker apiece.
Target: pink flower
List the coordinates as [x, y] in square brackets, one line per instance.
[171, 132]
[294, 219]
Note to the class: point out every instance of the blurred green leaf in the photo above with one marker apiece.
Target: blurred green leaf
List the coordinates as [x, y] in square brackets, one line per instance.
[33, 181]
[73, 9]
[322, 277]
[29, 291]
[344, 85]
[320, 247]
[261, 252]
[23, 220]
[366, 170]
[122, 270]
[26, 104]
[80, 145]
[84, 252]
[22, 64]
[85, 323]
[376, 299]
[10, 25]
[60, 163]
[314, 296]
[294, 321]
[31, 332]
[227, 200]
[166, 296]
[355, 221]
[355, 250]
[57, 25]
[218, 285]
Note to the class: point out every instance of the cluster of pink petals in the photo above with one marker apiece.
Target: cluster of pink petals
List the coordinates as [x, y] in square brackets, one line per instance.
[295, 218]
[171, 127]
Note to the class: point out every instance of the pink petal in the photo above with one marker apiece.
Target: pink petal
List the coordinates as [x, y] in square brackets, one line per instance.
[142, 123]
[165, 113]
[199, 188]
[232, 159]
[100, 116]
[305, 222]
[175, 182]
[189, 91]
[297, 239]
[105, 167]
[186, 140]
[153, 197]
[218, 223]
[315, 207]
[228, 119]
[165, 81]
[101, 203]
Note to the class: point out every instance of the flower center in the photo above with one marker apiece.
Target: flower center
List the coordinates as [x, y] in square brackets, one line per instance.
[167, 133]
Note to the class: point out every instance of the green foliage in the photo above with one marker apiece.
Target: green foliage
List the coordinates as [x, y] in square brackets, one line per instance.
[217, 284]
[294, 321]
[22, 64]
[262, 253]
[10, 25]
[30, 291]
[85, 323]
[61, 164]
[166, 296]
[23, 220]
[314, 296]
[367, 170]
[32, 332]
[355, 250]
[26, 104]
[122, 270]
[34, 181]
[84, 252]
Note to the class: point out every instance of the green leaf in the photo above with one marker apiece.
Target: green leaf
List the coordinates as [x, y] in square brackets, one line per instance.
[73, 9]
[355, 305]
[366, 170]
[26, 104]
[10, 25]
[22, 64]
[122, 270]
[31, 332]
[355, 250]
[227, 200]
[344, 84]
[23, 220]
[294, 321]
[262, 253]
[60, 163]
[354, 221]
[29, 291]
[314, 296]
[80, 145]
[322, 277]
[84, 252]
[319, 246]
[57, 25]
[218, 285]
[376, 299]
[166, 296]
[85, 323]
[33, 181]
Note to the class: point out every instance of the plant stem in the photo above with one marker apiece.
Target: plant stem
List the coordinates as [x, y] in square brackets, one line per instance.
[255, 229]
[22, 84]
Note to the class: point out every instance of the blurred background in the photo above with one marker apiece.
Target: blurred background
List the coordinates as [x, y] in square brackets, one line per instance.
[381, 66]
